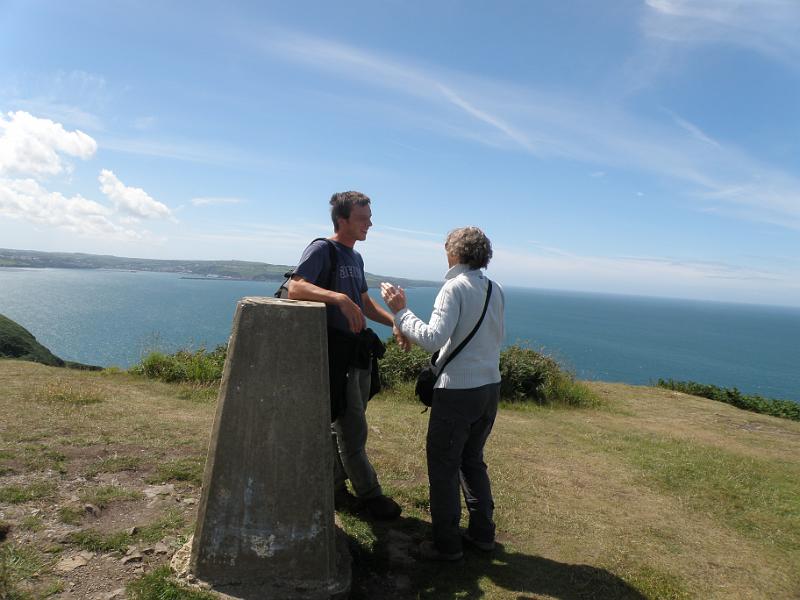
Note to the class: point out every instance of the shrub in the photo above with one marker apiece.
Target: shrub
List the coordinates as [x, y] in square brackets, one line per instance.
[397, 366]
[526, 375]
[769, 406]
[198, 366]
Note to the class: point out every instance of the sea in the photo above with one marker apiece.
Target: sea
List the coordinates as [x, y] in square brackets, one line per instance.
[113, 318]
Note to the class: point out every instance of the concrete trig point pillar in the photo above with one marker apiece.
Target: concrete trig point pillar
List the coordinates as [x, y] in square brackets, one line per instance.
[265, 526]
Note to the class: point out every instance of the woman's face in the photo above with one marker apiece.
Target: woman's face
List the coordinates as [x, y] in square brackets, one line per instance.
[452, 260]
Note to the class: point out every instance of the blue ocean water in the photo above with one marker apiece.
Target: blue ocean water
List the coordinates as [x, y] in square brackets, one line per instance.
[114, 317]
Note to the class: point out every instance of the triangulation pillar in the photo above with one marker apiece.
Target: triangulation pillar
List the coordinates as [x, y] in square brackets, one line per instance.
[265, 526]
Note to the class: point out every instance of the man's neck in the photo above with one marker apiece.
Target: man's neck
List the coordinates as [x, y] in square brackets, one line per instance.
[344, 240]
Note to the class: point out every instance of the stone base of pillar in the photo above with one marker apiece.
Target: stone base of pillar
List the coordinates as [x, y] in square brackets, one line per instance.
[281, 589]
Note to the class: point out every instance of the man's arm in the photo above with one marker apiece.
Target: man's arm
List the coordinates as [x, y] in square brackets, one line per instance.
[301, 289]
[377, 313]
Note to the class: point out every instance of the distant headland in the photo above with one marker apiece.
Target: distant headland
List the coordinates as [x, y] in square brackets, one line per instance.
[214, 270]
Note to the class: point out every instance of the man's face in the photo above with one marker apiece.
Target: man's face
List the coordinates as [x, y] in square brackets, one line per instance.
[358, 224]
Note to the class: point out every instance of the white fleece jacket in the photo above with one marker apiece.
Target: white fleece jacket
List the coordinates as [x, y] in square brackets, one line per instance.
[456, 310]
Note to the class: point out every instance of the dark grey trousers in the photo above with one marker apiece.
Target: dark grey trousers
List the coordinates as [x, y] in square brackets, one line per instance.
[459, 425]
[349, 434]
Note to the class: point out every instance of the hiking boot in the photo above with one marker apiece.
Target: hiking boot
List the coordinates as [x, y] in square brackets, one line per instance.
[482, 546]
[383, 508]
[344, 501]
[429, 551]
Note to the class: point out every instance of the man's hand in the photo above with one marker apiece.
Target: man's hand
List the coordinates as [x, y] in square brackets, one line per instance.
[402, 341]
[352, 312]
[394, 297]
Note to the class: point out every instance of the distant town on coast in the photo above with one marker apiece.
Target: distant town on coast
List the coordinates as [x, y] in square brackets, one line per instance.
[239, 270]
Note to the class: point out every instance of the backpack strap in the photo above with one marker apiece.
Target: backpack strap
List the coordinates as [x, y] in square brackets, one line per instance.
[329, 283]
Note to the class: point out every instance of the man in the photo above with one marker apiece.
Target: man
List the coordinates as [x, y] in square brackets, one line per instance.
[348, 306]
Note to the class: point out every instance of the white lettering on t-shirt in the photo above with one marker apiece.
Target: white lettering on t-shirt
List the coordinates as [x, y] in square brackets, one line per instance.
[349, 271]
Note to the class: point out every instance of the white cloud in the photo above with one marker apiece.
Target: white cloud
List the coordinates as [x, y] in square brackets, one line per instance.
[30, 146]
[134, 201]
[770, 27]
[214, 200]
[27, 199]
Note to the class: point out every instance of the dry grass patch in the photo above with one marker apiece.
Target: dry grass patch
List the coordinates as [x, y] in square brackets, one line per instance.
[114, 464]
[104, 495]
[653, 495]
[599, 487]
[67, 393]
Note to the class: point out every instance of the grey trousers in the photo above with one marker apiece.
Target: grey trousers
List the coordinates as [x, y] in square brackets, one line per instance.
[459, 425]
[349, 435]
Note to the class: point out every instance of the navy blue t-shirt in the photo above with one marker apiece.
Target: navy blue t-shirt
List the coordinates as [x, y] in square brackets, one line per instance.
[315, 265]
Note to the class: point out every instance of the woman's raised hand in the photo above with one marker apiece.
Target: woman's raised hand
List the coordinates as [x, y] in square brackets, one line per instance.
[393, 296]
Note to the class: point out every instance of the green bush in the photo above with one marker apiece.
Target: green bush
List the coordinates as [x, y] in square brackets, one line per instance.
[198, 366]
[397, 366]
[785, 409]
[526, 375]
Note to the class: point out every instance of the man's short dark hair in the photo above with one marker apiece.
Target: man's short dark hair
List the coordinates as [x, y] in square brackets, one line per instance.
[342, 203]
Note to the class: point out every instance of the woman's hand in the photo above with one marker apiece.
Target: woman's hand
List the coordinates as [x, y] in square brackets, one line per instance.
[394, 297]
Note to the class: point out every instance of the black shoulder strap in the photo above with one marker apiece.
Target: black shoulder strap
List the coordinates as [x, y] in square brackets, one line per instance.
[330, 281]
[466, 340]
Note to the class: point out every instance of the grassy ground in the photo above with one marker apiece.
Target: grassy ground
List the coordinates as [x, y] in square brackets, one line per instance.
[653, 495]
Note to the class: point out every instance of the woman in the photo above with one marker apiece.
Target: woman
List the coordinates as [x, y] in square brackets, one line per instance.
[466, 394]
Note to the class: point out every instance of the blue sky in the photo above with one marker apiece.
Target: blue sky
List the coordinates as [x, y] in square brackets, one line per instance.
[640, 147]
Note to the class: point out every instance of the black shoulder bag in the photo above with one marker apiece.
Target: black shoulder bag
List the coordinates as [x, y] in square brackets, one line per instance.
[428, 377]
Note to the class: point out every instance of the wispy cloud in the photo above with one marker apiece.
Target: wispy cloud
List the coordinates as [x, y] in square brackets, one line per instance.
[548, 125]
[215, 200]
[692, 129]
[487, 118]
[648, 275]
[770, 27]
[372, 69]
[179, 150]
[543, 265]
[433, 234]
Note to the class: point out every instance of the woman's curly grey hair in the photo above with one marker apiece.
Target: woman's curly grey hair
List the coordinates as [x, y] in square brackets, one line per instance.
[470, 245]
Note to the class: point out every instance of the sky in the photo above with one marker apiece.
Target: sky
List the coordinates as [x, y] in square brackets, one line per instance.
[647, 147]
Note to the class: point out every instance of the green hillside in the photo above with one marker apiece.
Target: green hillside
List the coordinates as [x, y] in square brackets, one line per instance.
[18, 342]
